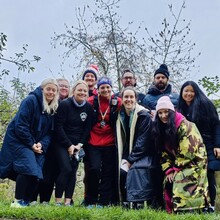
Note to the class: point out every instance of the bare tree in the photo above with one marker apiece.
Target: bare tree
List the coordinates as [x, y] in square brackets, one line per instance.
[172, 46]
[100, 39]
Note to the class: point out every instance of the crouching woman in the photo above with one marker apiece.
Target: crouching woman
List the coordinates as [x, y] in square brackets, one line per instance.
[184, 159]
[133, 128]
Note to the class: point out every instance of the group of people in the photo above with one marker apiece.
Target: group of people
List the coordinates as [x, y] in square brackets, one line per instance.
[161, 149]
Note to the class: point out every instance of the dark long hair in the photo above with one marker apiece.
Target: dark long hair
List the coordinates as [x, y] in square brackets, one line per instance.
[165, 135]
[202, 110]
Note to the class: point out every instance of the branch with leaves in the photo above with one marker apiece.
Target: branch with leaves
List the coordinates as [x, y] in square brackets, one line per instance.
[212, 87]
[19, 59]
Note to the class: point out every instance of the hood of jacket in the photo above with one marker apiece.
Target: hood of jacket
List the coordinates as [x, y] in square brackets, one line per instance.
[178, 119]
[39, 96]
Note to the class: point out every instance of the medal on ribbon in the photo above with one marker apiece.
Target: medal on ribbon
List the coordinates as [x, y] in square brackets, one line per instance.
[102, 122]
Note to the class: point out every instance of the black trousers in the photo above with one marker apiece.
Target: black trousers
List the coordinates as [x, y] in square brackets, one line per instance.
[50, 172]
[25, 187]
[123, 178]
[157, 178]
[66, 179]
[212, 186]
[101, 175]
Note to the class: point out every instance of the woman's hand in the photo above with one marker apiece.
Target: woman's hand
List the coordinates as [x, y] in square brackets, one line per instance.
[78, 147]
[129, 165]
[170, 177]
[125, 165]
[71, 150]
[37, 148]
[217, 152]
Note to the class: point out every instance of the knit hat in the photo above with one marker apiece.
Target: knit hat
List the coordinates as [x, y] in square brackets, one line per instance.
[104, 80]
[91, 69]
[163, 70]
[164, 102]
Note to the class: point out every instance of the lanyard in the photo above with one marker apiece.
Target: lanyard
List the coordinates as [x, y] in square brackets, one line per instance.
[103, 123]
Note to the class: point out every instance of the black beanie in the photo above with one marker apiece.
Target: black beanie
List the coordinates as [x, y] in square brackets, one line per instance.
[163, 70]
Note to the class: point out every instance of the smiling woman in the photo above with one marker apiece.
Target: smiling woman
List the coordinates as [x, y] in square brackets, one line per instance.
[101, 150]
[183, 159]
[129, 99]
[72, 127]
[64, 88]
[27, 139]
[133, 128]
[196, 107]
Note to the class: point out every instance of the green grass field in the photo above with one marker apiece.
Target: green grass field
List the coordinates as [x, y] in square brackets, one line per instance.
[78, 212]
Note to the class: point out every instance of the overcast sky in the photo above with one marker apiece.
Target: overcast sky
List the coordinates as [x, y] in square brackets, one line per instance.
[34, 23]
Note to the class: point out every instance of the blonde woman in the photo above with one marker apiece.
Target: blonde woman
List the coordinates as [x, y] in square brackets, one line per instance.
[27, 139]
[72, 127]
[50, 169]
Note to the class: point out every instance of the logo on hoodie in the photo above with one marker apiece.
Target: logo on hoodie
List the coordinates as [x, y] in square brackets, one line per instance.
[83, 116]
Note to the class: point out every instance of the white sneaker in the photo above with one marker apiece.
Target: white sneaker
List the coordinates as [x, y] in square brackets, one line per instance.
[33, 203]
[18, 204]
[45, 203]
[211, 209]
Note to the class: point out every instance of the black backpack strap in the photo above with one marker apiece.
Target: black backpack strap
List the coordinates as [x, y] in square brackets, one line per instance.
[114, 103]
[113, 110]
[95, 110]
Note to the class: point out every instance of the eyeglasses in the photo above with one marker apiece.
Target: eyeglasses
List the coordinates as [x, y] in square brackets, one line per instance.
[128, 78]
[63, 86]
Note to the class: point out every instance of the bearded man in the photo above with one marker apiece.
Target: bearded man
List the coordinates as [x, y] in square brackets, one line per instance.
[159, 88]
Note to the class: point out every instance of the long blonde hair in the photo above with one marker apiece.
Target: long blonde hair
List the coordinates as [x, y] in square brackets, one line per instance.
[51, 107]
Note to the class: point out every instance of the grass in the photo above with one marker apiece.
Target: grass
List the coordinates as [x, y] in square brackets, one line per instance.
[77, 212]
[52, 212]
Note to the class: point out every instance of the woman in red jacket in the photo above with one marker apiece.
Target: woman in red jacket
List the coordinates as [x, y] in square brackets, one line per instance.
[101, 147]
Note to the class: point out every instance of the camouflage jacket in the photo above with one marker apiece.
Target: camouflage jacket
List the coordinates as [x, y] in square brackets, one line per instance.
[190, 184]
